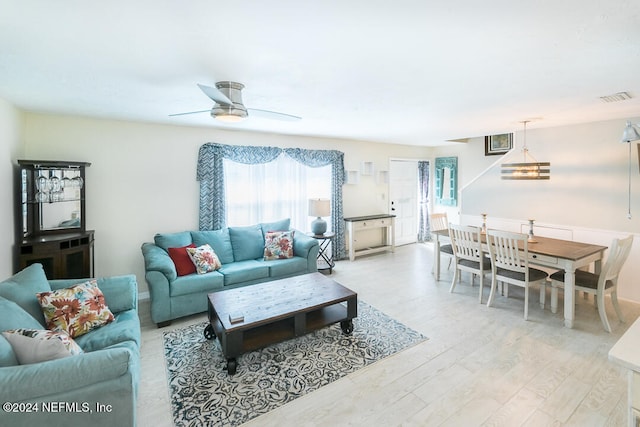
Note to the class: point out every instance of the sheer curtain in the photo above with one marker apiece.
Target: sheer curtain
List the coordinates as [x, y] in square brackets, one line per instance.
[210, 173]
[271, 191]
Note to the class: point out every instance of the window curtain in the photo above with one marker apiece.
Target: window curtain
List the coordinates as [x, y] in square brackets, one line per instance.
[424, 229]
[266, 192]
[210, 174]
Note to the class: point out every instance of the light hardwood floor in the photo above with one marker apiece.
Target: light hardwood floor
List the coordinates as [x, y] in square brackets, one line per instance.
[481, 366]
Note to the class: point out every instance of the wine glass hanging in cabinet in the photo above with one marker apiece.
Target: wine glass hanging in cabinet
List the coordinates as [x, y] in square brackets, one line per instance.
[51, 222]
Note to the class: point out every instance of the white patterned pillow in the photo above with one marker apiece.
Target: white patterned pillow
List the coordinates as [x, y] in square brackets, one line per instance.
[204, 258]
[278, 245]
[34, 346]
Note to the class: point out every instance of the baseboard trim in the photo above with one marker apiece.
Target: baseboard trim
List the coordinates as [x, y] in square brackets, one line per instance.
[143, 296]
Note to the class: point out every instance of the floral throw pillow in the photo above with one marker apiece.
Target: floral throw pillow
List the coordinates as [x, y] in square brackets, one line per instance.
[34, 345]
[75, 310]
[278, 245]
[204, 258]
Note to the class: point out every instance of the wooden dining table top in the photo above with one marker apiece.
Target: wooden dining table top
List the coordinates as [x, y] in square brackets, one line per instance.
[566, 249]
[558, 248]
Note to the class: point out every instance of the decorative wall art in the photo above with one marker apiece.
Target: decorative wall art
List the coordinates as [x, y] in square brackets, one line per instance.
[446, 181]
[498, 144]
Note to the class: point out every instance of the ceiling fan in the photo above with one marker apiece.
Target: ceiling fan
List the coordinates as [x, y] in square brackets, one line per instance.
[228, 105]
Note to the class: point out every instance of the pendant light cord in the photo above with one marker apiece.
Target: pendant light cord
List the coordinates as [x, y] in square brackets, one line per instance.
[629, 211]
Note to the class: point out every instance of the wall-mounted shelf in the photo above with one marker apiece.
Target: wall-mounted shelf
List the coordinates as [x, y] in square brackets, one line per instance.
[382, 177]
[352, 177]
[367, 168]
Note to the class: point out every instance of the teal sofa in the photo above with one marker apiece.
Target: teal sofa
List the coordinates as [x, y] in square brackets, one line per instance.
[240, 250]
[95, 388]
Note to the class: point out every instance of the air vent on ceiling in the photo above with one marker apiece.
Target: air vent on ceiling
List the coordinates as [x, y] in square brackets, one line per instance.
[620, 96]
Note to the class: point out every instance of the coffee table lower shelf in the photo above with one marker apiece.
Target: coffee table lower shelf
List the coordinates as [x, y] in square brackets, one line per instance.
[235, 342]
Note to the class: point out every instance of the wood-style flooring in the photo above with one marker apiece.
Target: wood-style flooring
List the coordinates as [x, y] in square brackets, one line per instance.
[480, 367]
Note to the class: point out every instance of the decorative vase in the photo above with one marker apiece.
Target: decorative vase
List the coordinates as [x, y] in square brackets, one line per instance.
[318, 226]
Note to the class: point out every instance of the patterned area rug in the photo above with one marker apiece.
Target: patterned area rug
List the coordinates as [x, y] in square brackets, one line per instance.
[203, 394]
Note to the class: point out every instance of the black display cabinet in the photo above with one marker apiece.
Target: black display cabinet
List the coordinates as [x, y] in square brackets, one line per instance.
[50, 219]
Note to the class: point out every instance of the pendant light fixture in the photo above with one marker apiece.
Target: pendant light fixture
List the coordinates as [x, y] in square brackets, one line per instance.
[630, 134]
[530, 168]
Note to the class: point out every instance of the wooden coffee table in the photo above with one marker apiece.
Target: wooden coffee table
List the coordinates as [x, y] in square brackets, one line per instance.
[254, 316]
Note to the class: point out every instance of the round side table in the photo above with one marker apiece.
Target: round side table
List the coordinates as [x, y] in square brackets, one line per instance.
[325, 255]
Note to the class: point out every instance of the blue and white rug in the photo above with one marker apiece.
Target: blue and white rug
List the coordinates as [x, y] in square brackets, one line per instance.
[203, 394]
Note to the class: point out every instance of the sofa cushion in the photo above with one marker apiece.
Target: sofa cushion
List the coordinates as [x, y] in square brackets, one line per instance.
[12, 316]
[287, 267]
[247, 242]
[125, 327]
[182, 260]
[172, 240]
[22, 288]
[37, 345]
[7, 355]
[75, 310]
[278, 245]
[204, 258]
[196, 283]
[120, 292]
[282, 225]
[243, 271]
[219, 240]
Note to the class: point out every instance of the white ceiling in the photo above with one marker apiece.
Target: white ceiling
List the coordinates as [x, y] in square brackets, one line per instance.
[405, 71]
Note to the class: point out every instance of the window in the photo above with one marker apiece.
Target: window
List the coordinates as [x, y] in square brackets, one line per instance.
[271, 191]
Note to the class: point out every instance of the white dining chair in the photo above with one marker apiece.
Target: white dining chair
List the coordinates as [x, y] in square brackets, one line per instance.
[468, 255]
[598, 284]
[509, 254]
[438, 222]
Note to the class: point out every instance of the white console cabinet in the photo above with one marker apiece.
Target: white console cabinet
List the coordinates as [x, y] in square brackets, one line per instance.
[359, 224]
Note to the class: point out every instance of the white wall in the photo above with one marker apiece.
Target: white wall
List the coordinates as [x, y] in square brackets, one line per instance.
[142, 178]
[587, 192]
[588, 185]
[10, 149]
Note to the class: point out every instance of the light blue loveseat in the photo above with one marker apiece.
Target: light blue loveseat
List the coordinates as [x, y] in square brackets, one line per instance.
[240, 250]
[72, 387]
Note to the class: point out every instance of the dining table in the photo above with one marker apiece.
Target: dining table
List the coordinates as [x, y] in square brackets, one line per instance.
[559, 254]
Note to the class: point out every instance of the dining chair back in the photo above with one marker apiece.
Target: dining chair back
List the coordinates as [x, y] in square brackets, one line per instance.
[598, 284]
[468, 254]
[509, 254]
[438, 222]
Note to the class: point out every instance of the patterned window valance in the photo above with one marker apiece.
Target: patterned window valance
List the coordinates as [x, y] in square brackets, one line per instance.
[210, 173]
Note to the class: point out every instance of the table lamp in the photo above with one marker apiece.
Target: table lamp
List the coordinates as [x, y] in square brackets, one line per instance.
[319, 208]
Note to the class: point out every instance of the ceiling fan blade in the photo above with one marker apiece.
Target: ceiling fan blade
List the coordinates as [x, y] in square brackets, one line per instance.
[190, 112]
[215, 94]
[272, 115]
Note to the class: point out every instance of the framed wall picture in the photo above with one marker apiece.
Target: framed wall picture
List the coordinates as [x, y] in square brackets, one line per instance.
[498, 144]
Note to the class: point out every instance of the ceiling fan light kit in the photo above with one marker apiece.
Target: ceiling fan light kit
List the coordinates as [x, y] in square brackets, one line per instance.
[233, 111]
[228, 106]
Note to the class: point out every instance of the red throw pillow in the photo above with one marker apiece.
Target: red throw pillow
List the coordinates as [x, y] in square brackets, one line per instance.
[181, 259]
